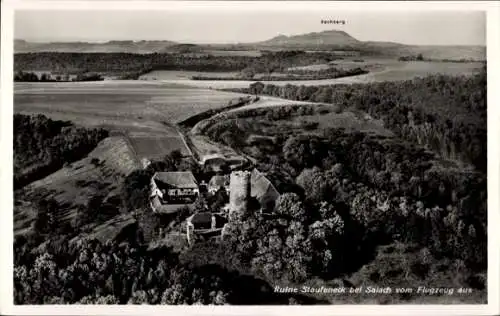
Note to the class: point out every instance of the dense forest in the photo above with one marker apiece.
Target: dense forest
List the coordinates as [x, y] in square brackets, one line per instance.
[89, 272]
[343, 188]
[345, 195]
[132, 64]
[42, 146]
[445, 114]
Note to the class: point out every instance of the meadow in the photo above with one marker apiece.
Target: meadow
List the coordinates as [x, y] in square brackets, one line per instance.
[410, 70]
[156, 147]
[349, 120]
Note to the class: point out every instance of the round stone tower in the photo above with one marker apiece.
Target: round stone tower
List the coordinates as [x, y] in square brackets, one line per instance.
[239, 192]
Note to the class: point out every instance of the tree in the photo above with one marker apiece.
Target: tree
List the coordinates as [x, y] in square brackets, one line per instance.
[315, 184]
[161, 166]
[200, 205]
[176, 156]
[136, 189]
[95, 162]
[220, 199]
[248, 73]
[289, 206]
[46, 220]
[324, 95]
[256, 88]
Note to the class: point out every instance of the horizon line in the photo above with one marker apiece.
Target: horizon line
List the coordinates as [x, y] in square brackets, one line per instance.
[211, 43]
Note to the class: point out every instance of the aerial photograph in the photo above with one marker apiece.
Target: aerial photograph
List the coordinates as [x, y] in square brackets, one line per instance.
[232, 157]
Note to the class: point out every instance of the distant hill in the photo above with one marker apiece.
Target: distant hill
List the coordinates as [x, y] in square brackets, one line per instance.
[138, 47]
[325, 40]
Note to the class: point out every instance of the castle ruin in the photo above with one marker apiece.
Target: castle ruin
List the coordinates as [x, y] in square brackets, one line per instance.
[239, 188]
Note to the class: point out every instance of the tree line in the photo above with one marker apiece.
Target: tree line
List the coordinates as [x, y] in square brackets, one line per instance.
[344, 195]
[446, 114]
[289, 75]
[420, 57]
[129, 65]
[26, 76]
[91, 272]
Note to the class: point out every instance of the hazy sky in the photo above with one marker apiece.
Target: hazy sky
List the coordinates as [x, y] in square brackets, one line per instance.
[424, 28]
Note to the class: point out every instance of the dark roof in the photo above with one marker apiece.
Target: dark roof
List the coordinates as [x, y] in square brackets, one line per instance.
[180, 179]
[213, 158]
[261, 188]
[201, 218]
[204, 219]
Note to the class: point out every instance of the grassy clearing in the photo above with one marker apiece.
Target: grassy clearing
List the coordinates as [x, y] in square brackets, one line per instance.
[321, 118]
[267, 101]
[204, 146]
[75, 184]
[110, 229]
[259, 126]
[319, 122]
[350, 121]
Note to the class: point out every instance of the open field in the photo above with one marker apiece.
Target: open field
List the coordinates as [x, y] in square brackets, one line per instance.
[136, 100]
[446, 52]
[144, 111]
[157, 147]
[409, 70]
